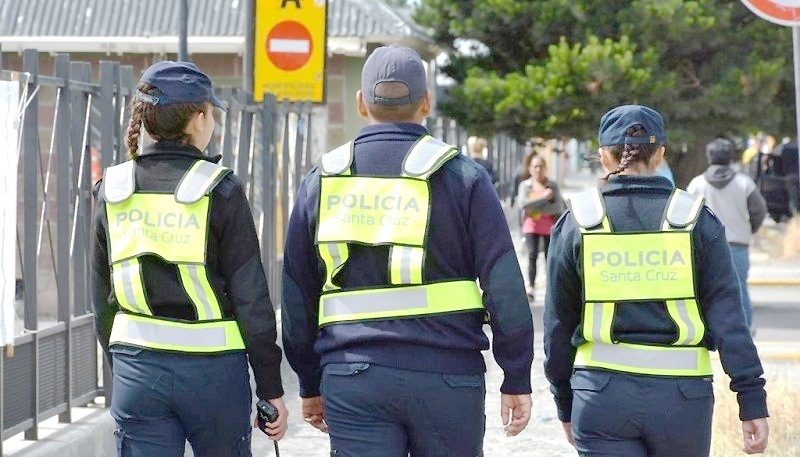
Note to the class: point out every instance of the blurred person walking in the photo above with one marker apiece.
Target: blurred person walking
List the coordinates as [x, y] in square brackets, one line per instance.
[542, 204]
[641, 287]
[736, 201]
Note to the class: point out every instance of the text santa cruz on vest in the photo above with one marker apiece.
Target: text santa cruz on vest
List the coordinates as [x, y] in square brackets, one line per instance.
[382, 207]
[661, 259]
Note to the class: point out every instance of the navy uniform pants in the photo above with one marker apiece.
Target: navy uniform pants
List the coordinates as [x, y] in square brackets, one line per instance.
[377, 411]
[619, 415]
[161, 399]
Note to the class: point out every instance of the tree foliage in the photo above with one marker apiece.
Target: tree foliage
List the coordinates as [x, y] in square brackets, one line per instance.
[711, 67]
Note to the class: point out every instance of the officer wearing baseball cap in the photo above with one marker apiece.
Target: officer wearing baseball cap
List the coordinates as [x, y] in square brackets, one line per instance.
[641, 287]
[382, 316]
[179, 293]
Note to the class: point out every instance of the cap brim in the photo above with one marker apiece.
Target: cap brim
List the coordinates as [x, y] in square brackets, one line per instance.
[214, 100]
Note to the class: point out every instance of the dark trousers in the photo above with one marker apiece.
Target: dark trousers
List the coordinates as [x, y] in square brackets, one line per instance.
[619, 415]
[161, 400]
[532, 242]
[377, 411]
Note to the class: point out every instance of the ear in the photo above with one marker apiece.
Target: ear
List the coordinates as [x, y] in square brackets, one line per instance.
[196, 123]
[425, 106]
[362, 106]
[658, 157]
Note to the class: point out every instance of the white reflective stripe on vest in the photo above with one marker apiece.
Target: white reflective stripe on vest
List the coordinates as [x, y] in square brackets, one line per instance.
[119, 182]
[405, 264]
[688, 333]
[682, 209]
[635, 358]
[334, 256]
[203, 337]
[128, 286]
[196, 283]
[426, 157]
[338, 161]
[197, 181]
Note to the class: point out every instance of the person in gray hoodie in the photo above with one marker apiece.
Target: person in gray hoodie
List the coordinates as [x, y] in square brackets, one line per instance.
[738, 204]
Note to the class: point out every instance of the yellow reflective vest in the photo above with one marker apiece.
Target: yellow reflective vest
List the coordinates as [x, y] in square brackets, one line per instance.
[634, 267]
[175, 228]
[389, 211]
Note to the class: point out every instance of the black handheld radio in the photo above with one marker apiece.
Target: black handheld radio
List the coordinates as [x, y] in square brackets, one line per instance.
[265, 412]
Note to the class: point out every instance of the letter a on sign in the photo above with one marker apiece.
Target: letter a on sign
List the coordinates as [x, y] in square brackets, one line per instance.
[289, 50]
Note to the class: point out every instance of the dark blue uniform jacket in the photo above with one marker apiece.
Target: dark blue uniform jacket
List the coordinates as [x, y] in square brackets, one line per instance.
[468, 238]
[636, 203]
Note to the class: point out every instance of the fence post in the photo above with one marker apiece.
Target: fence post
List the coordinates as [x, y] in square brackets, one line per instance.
[108, 77]
[268, 162]
[61, 147]
[285, 112]
[81, 179]
[226, 148]
[30, 144]
[245, 129]
[309, 154]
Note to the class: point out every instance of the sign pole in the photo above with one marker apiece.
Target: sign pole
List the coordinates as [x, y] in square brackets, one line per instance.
[183, 18]
[248, 70]
[796, 53]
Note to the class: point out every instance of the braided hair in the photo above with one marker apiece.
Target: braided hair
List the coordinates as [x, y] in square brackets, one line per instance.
[161, 122]
[630, 153]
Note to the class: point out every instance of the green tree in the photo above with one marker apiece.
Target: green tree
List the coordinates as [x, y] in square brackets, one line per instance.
[554, 66]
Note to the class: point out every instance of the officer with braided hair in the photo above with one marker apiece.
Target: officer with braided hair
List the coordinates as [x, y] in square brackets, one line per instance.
[179, 293]
[641, 287]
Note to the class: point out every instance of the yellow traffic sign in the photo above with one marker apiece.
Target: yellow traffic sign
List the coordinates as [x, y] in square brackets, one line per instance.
[289, 49]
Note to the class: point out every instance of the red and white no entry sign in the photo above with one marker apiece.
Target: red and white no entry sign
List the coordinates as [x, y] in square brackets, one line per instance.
[783, 12]
[289, 45]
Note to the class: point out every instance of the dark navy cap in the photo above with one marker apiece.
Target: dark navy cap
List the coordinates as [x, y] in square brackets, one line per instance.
[179, 82]
[617, 121]
[393, 64]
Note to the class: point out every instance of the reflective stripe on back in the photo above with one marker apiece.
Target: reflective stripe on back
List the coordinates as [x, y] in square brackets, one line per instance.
[426, 156]
[686, 315]
[405, 264]
[682, 210]
[587, 208]
[334, 256]
[119, 182]
[338, 161]
[198, 181]
[410, 301]
[203, 337]
[197, 286]
[642, 359]
[128, 286]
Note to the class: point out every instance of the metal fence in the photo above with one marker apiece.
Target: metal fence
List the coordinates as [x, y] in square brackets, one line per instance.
[267, 144]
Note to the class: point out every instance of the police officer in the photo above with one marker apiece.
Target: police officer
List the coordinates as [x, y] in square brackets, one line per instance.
[179, 292]
[640, 288]
[381, 315]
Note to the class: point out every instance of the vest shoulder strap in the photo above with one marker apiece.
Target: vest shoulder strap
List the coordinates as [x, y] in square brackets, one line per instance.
[119, 182]
[198, 181]
[337, 161]
[587, 208]
[683, 209]
[427, 156]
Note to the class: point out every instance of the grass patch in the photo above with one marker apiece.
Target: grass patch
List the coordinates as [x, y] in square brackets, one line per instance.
[784, 421]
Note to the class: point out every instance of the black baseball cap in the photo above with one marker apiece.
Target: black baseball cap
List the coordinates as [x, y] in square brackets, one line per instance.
[179, 82]
[617, 121]
[393, 64]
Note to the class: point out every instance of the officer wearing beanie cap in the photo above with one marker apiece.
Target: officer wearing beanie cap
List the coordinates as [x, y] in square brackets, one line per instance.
[641, 288]
[180, 299]
[382, 316]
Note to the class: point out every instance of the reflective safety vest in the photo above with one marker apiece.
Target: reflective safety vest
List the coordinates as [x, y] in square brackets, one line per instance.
[175, 228]
[389, 211]
[636, 267]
